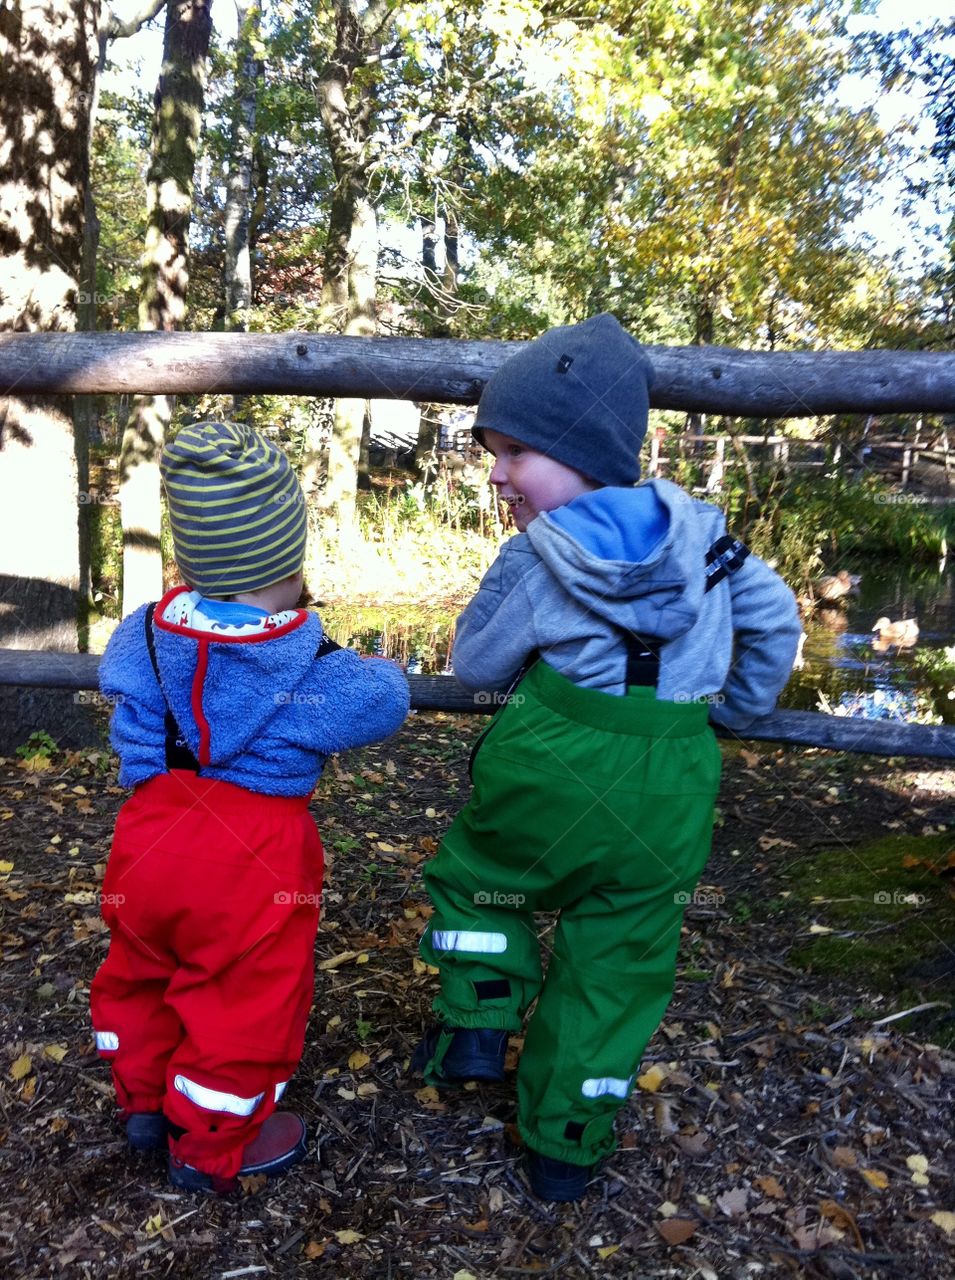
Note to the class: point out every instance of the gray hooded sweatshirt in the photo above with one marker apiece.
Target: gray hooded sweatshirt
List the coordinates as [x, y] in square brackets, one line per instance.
[632, 560]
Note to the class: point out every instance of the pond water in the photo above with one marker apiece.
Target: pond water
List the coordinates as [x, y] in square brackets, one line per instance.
[840, 662]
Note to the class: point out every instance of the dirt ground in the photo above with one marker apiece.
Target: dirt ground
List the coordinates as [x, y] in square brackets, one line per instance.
[777, 1130]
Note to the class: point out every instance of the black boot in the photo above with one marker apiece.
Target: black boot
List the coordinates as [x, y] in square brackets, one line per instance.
[475, 1053]
[146, 1131]
[553, 1179]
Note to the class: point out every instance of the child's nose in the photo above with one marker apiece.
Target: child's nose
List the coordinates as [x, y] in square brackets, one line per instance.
[498, 472]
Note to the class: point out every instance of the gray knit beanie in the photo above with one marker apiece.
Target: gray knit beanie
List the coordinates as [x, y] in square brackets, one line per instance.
[579, 394]
[236, 508]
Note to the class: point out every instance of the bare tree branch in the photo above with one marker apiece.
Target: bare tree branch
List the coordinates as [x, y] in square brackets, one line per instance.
[118, 30]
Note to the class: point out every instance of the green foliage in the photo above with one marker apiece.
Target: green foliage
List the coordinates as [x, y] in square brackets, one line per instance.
[40, 744]
[803, 524]
[891, 920]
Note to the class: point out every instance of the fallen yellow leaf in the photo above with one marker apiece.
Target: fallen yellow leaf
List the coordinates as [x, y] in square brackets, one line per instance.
[56, 1051]
[607, 1251]
[21, 1067]
[652, 1078]
[6, 866]
[876, 1178]
[945, 1220]
[348, 1236]
[357, 1060]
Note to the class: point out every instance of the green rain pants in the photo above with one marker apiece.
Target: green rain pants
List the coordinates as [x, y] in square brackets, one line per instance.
[601, 808]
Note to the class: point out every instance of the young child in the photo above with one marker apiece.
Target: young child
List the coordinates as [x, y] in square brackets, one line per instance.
[228, 701]
[630, 617]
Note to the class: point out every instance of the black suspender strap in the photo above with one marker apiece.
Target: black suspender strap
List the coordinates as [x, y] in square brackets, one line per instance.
[178, 753]
[724, 557]
[326, 647]
[643, 660]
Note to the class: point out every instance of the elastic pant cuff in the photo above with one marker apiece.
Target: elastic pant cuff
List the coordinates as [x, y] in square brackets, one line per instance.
[138, 1102]
[477, 1019]
[572, 1152]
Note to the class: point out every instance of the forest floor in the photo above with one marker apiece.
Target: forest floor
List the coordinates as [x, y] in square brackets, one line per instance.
[780, 1127]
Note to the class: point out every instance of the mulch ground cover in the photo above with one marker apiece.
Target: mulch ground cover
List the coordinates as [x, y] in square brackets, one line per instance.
[780, 1127]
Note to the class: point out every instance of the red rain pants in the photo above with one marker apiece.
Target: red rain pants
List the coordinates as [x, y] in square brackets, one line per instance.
[212, 899]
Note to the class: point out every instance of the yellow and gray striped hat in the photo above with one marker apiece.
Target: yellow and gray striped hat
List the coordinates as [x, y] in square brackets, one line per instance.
[236, 508]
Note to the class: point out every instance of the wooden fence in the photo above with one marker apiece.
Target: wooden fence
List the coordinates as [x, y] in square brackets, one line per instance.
[715, 380]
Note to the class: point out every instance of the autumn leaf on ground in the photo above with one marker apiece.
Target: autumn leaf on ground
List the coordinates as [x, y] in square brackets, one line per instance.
[733, 1203]
[875, 1178]
[770, 1187]
[56, 1051]
[675, 1230]
[21, 1067]
[918, 1165]
[840, 1216]
[945, 1220]
[357, 1060]
[652, 1078]
[844, 1158]
[348, 1236]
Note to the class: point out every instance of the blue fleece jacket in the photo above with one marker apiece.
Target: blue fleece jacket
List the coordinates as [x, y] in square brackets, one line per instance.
[256, 706]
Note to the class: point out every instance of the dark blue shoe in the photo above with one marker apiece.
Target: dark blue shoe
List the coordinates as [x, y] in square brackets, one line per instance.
[475, 1053]
[552, 1179]
[147, 1131]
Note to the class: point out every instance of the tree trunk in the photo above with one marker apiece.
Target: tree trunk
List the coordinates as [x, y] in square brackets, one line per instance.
[162, 304]
[238, 208]
[351, 252]
[44, 176]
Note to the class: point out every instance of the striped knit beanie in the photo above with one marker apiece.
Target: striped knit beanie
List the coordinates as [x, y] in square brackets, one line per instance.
[236, 508]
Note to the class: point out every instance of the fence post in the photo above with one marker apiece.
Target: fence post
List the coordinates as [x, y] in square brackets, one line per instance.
[906, 465]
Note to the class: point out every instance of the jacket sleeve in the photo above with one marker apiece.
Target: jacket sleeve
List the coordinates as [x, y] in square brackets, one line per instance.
[348, 701]
[495, 634]
[766, 630]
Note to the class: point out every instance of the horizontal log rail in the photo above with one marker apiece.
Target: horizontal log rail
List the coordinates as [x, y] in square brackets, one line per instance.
[78, 671]
[764, 384]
